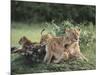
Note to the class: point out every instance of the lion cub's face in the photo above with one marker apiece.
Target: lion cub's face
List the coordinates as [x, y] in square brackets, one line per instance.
[73, 34]
[45, 38]
[23, 40]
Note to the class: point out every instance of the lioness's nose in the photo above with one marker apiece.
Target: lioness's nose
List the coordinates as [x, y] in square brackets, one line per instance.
[76, 38]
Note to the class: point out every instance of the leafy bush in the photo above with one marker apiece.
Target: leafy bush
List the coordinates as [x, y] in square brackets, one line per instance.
[22, 11]
[87, 36]
[58, 29]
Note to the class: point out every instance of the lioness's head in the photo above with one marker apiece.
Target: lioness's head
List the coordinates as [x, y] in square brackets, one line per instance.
[73, 34]
[45, 38]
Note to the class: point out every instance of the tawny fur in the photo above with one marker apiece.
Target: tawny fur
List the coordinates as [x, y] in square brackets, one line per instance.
[74, 48]
[55, 46]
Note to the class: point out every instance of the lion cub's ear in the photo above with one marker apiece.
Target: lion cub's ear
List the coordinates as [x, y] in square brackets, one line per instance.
[24, 37]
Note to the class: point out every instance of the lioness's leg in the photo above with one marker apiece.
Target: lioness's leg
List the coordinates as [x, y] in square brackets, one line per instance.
[79, 55]
[82, 57]
[59, 58]
[49, 58]
[48, 55]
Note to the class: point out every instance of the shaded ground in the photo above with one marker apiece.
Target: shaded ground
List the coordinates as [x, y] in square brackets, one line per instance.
[21, 65]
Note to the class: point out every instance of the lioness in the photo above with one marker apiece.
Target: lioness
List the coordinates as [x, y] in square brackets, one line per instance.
[74, 48]
[55, 47]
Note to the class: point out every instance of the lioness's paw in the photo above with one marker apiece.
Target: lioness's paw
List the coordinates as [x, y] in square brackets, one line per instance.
[55, 61]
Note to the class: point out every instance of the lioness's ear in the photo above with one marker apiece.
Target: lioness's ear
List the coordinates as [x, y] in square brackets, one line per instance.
[67, 31]
[78, 29]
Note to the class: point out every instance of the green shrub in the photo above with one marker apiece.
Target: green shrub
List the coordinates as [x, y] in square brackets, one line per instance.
[87, 35]
[58, 29]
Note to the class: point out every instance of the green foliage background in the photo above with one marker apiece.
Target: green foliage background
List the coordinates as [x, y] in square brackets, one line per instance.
[40, 12]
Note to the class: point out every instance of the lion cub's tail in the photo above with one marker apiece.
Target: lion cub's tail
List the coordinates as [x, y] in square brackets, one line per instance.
[42, 31]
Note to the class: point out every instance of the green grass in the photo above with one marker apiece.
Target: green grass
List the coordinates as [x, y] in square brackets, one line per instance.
[87, 45]
[32, 32]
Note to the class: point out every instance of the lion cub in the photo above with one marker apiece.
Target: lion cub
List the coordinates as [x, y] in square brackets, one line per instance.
[27, 46]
